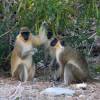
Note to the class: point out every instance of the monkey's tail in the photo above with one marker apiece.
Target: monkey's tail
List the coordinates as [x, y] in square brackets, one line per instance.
[22, 72]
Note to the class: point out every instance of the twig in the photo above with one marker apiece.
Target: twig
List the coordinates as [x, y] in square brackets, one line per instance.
[7, 32]
[91, 48]
[20, 5]
[17, 92]
[92, 36]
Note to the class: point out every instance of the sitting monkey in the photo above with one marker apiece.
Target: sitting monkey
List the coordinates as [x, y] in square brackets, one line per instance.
[72, 66]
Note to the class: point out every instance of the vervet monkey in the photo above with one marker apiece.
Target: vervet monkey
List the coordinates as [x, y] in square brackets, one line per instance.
[21, 59]
[46, 37]
[72, 66]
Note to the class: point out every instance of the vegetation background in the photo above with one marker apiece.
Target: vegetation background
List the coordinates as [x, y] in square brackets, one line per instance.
[77, 20]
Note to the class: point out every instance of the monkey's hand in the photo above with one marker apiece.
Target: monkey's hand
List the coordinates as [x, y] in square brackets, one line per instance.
[26, 54]
[35, 50]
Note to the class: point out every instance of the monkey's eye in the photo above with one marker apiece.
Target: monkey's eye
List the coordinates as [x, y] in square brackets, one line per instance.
[49, 35]
[53, 42]
[25, 32]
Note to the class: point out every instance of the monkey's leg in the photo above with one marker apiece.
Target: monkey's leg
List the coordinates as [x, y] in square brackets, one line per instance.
[52, 66]
[58, 75]
[68, 75]
[46, 56]
[31, 73]
[80, 74]
[23, 72]
[79, 70]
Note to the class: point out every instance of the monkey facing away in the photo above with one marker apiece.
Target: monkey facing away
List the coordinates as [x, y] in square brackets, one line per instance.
[72, 66]
[46, 35]
[21, 60]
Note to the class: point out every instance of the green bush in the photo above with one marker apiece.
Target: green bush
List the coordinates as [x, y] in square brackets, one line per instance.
[72, 17]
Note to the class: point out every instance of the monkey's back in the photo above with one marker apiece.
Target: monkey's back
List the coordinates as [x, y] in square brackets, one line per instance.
[69, 53]
[72, 56]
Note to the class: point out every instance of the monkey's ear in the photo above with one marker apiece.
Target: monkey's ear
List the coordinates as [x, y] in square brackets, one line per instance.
[53, 42]
[61, 33]
[49, 34]
[62, 43]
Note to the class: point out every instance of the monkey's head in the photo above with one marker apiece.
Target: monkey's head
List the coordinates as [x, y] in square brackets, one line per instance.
[25, 33]
[45, 29]
[56, 43]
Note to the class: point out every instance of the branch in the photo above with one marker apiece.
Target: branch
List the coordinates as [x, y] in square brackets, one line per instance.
[7, 32]
[92, 36]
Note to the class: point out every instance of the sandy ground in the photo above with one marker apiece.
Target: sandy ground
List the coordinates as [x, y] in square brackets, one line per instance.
[11, 89]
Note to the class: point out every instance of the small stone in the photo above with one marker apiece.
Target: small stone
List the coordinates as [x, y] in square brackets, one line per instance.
[68, 98]
[82, 97]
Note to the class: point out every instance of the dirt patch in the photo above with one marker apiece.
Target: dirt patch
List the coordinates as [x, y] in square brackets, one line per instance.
[15, 90]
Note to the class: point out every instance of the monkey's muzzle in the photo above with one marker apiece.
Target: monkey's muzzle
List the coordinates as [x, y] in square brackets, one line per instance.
[25, 35]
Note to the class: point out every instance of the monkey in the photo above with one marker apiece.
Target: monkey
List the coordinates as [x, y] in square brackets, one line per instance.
[22, 66]
[73, 66]
[49, 51]
[46, 35]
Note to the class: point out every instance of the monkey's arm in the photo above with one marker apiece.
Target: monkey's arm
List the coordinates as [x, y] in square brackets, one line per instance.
[19, 50]
[27, 53]
[36, 41]
[53, 61]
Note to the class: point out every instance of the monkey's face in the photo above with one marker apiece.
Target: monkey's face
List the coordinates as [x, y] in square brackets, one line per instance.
[53, 42]
[44, 24]
[56, 43]
[25, 35]
[46, 27]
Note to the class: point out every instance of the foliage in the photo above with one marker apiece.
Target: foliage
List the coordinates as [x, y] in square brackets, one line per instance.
[98, 69]
[74, 18]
